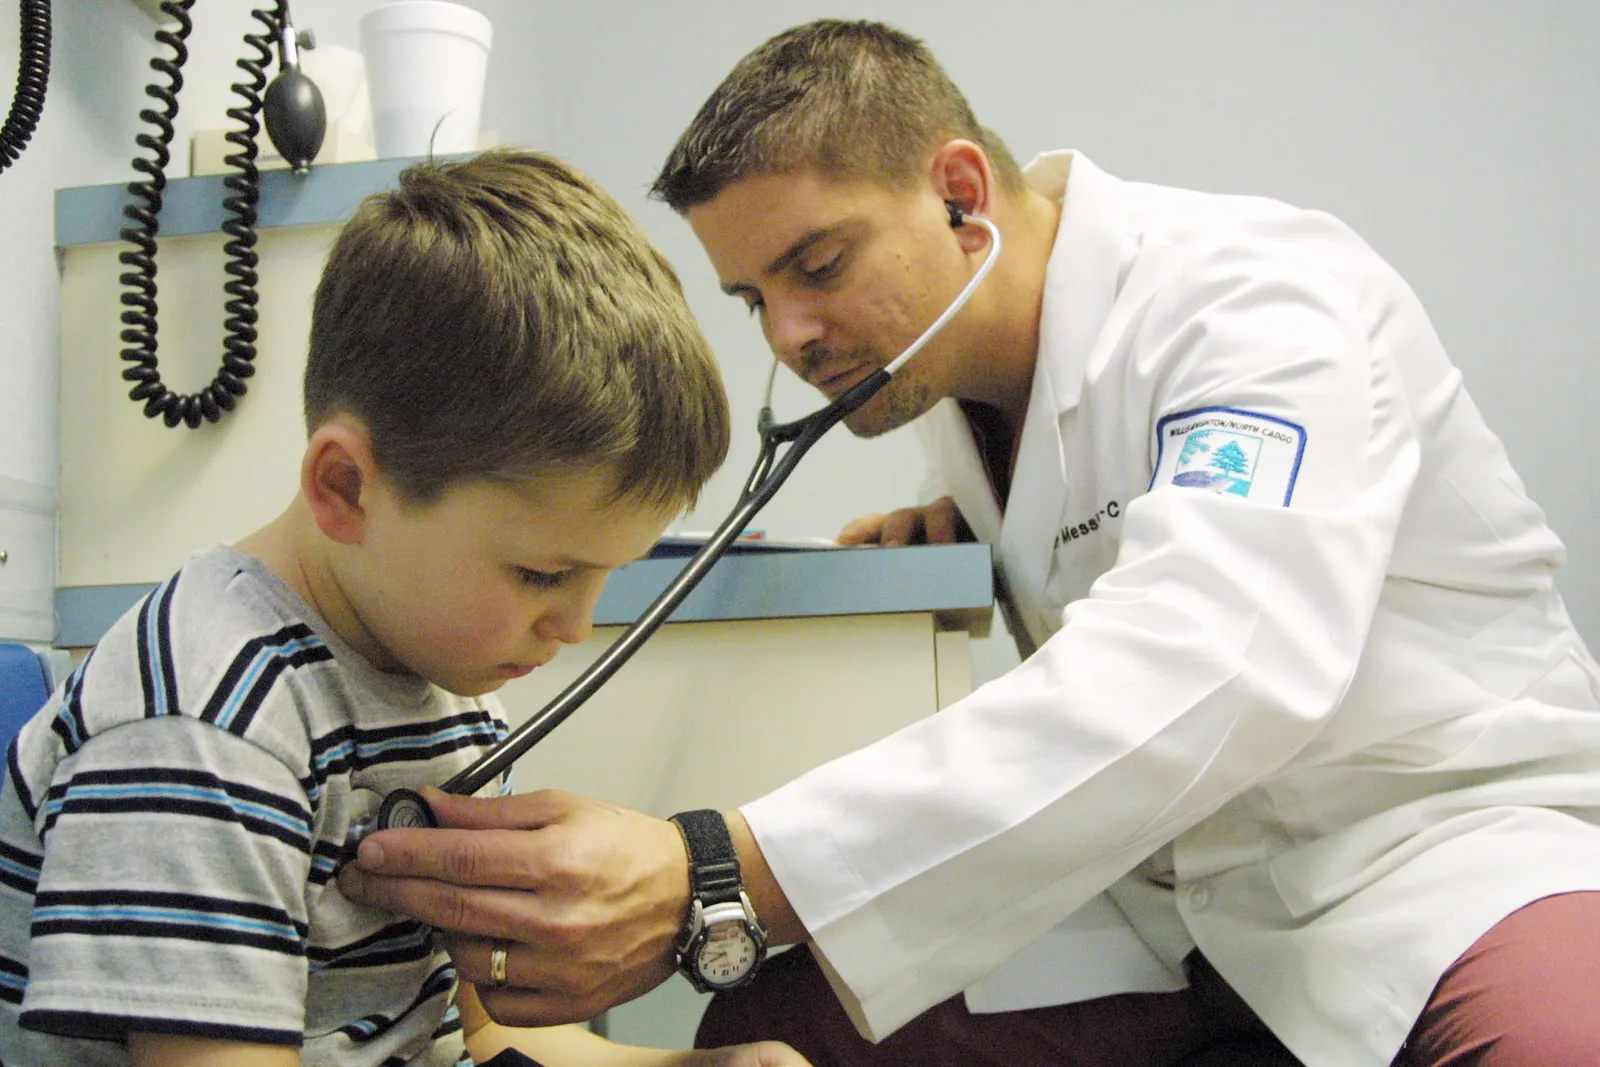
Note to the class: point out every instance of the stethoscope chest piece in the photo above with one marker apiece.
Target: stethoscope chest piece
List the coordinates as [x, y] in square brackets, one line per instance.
[399, 809]
[405, 809]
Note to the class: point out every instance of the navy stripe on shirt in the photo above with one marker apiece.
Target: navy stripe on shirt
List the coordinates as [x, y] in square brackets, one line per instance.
[13, 979]
[255, 669]
[441, 982]
[349, 749]
[156, 672]
[142, 913]
[402, 941]
[107, 1027]
[19, 869]
[174, 791]
[69, 723]
[16, 780]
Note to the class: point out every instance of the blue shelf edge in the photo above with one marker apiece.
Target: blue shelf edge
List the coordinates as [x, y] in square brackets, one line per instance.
[92, 214]
[955, 582]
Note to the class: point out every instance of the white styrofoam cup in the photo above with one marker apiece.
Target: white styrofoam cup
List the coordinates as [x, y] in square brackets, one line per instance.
[426, 63]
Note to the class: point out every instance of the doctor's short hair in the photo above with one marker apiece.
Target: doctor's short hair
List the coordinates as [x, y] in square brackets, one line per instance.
[498, 318]
[857, 100]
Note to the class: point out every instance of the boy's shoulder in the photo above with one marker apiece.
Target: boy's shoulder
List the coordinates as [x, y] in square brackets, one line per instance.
[220, 603]
[210, 642]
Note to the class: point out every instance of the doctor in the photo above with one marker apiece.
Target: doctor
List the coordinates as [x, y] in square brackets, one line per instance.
[1305, 718]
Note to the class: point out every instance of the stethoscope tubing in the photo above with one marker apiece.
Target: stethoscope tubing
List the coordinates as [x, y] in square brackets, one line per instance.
[770, 471]
[768, 474]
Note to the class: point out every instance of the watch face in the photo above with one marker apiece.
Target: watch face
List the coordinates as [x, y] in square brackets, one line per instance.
[727, 955]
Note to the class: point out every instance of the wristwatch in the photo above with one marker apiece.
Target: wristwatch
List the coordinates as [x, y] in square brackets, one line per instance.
[723, 943]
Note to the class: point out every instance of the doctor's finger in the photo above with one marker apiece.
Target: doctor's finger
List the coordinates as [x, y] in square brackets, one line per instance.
[865, 530]
[506, 859]
[941, 522]
[550, 967]
[502, 914]
[511, 1006]
[474, 958]
[903, 527]
[519, 811]
[573, 1001]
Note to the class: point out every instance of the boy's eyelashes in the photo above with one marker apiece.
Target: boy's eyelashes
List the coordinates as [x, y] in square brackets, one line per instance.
[543, 579]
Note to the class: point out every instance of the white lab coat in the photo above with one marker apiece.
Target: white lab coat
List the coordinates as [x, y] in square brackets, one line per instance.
[1357, 728]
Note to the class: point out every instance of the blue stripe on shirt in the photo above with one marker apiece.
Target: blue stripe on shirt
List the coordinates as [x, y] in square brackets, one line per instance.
[179, 791]
[156, 672]
[185, 916]
[255, 670]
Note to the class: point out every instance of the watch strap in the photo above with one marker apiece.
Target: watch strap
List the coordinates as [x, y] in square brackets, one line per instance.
[714, 876]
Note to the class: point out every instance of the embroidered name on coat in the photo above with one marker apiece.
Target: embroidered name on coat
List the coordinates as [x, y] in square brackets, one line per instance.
[1074, 530]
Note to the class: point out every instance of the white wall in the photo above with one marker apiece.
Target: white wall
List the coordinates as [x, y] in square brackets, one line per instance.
[84, 116]
[1459, 136]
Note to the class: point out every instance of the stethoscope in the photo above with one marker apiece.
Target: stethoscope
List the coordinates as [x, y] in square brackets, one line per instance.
[406, 808]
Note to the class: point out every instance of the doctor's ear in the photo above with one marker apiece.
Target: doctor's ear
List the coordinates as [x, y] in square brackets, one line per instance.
[962, 178]
[339, 468]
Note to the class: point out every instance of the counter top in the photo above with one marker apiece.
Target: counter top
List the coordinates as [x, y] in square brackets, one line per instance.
[955, 582]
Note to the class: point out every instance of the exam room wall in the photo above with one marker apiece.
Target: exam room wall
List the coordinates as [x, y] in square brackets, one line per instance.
[1459, 137]
[1456, 135]
[84, 137]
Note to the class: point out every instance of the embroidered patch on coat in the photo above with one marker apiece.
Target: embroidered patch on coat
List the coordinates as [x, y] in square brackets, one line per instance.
[1225, 450]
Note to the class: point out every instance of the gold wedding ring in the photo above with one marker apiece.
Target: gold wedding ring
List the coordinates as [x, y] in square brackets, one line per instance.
[497, 966]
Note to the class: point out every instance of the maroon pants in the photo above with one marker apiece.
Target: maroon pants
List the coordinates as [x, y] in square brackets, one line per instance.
[1527, 994]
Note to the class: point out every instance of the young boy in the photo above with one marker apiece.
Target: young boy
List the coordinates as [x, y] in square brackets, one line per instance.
[507, 398]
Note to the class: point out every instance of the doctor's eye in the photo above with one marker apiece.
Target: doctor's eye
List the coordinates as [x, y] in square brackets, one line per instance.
[542, 579]
[822, 272]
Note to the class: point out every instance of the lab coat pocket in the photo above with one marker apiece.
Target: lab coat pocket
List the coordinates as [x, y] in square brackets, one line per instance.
[1319, 811]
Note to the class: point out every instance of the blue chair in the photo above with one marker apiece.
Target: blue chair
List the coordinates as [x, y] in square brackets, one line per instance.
[24, 687]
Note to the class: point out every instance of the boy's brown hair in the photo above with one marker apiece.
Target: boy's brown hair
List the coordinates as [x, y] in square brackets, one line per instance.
[494, 318]
[844, 99]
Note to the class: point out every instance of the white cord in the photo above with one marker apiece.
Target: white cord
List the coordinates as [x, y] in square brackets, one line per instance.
[939, 323]
[961, 297]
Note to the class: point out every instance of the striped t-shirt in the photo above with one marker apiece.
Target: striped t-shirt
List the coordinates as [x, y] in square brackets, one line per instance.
[170, 825]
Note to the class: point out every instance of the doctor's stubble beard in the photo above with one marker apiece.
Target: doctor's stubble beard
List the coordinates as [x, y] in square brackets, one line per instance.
[899, 402]
[904, 398]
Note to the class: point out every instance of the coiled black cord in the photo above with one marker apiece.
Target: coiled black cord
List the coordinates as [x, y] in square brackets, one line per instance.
[139, 299]
[33, 75]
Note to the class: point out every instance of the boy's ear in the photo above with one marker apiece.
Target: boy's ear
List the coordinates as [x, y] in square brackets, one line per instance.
[338, 469]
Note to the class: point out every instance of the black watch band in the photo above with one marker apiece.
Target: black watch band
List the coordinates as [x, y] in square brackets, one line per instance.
[722, 942]
[714, 876]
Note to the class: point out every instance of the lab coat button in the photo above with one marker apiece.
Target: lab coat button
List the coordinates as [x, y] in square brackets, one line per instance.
[1198, 897]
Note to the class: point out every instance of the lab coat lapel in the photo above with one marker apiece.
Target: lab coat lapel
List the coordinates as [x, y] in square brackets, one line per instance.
[1080, 285]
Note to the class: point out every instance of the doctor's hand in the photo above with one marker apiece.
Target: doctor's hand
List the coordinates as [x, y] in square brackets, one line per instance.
[760, 1054]
[586, 898]
[938, 523]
